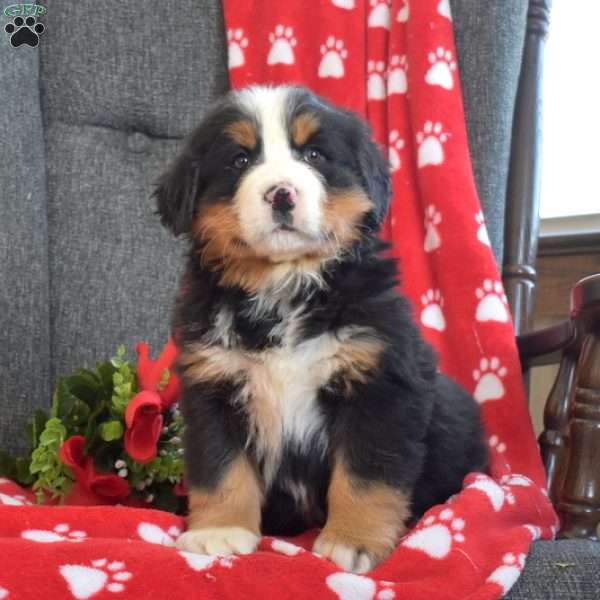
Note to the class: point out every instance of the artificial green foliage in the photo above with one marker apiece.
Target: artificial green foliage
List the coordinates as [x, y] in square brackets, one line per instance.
[92, 403]
[52, 476]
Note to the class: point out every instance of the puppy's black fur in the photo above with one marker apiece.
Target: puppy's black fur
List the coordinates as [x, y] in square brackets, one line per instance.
[405, 425]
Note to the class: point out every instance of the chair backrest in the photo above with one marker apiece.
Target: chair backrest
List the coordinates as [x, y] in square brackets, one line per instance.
[521, 226]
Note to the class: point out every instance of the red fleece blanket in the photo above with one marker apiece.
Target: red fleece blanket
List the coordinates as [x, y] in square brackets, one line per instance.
[394, 63]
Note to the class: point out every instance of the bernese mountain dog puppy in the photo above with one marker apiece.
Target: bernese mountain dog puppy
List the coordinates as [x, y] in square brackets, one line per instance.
[310, 398]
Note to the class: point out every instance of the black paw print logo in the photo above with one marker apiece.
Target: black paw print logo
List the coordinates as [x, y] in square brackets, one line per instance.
[24, 31]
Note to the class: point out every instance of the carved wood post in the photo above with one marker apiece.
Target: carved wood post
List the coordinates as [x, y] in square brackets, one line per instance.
[522, 216]
[579, 499]
[556, 421]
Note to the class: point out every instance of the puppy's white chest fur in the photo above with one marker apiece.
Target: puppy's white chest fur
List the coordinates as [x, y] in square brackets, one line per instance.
[280, 395]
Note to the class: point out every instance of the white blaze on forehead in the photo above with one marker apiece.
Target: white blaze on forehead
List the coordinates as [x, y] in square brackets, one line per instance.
[269, 105]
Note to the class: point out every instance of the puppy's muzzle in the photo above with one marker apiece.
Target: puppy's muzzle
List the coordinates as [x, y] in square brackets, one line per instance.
[282, 198]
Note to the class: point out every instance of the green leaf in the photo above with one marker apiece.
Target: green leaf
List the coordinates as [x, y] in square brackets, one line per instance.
[106, 371]
[86, 386]
[62, 402]
[111, 430]
[40, 418]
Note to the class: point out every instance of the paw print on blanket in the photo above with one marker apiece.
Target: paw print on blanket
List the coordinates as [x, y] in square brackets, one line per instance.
[493, 304]
[403, 12]
[432, 235]
[347, 4]
[489, 380]
[482, 233]
[203, 562]
[430, 142]
[282, 46]
[86, 581]
[432, 315]
[444, 9]
[348, 586]
[380, 14]
[508, 572]
[333, 54]
[236, 43]
[397, 81]
[396, 144]
[497, 495]
[3, 593]
[14, 500]
[61, 533]
[436, 535]
[441, 70]
[154, 534]
[495, 444]
[376, 80]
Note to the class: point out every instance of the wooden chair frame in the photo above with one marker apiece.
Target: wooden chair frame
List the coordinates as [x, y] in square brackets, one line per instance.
[570, 442]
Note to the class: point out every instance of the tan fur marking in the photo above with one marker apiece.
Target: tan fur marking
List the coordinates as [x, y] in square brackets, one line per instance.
[218, 227]
[243, 133]
[304, 127]
[365, 515]
[358, 358]
[235, 503]
[343, 212]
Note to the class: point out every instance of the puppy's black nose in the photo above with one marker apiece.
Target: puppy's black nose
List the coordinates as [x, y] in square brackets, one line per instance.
[282, 198]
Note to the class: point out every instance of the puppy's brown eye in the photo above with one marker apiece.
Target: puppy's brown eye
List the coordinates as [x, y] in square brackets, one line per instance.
[312, 155]
[240, 161]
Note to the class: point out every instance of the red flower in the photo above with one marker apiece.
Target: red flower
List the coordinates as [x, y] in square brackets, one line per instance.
[149, 372]
[144, 423]
[107, 487]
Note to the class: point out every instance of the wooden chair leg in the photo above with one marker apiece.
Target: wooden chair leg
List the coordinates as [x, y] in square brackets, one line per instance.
[556, 421]
[579, 499]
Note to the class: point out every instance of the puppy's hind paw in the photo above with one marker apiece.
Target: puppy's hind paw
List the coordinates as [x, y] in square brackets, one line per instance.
[221, 541]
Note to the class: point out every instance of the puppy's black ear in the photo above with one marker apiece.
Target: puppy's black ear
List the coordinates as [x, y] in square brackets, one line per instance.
[375, 175]
[176, 194]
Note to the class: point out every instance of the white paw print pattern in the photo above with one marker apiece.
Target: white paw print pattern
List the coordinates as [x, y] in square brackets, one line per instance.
[507, 574]
[397, 81]
[236, 43]
[203, 562]
[534, 531]
[432, 315]
[61, 533]
[282, 46]
[430, 141]
[444, 9]
[437, 535]
[14, 500]
[432, 235]
[3, 593]
[495, 444]
[516, 479]
[348, 586]
[396, 144]
[496, 494]
[403, 12]
[376, 89]
[380, 14]
[286, 548]
[347, 4]
[489, 378]
[441, 70]
[153, 534]
[493, 304]
[333, 53]
[84, 582]
[482, 233]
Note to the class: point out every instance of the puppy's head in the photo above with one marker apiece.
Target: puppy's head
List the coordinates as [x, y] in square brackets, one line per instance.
[275, 180]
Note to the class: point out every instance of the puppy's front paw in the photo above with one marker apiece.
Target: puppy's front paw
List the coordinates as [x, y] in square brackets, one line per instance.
[345, 553]
[218, 540]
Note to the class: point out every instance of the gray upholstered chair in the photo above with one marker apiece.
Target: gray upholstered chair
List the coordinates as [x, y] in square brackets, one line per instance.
[88, 120]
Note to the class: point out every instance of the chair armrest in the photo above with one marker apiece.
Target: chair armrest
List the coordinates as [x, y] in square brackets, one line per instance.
[543, 346]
